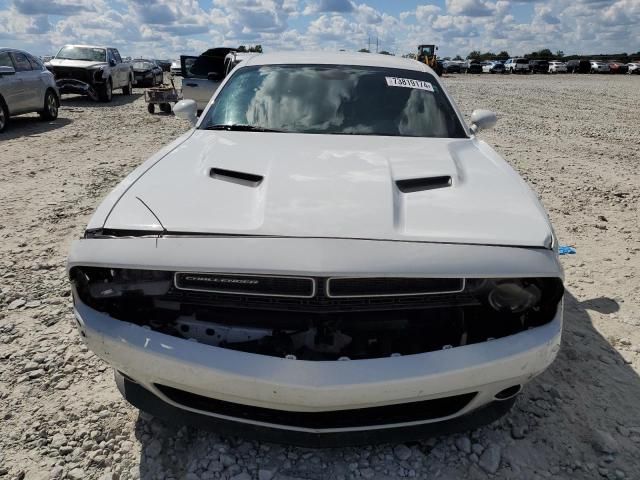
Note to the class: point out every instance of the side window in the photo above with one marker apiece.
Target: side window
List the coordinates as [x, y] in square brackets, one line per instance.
[5, 60]
[36, 64]
[110, 55]
[21, 61]
[116, 54]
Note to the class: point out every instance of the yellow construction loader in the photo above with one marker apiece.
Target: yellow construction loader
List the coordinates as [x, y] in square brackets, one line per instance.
[427, 54]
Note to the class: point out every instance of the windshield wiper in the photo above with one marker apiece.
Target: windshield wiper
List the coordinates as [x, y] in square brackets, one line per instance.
[237, 127]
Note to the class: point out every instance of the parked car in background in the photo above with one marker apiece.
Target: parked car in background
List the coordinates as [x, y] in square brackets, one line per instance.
[618, 67]
[91, 70]
[633, 67]
[599, 67]
[471, 66]
[176, 69]
[253, 277]
[538, 66]
[203, 74]
[493, 67]
[451, 67]
[165, 65]
[578, 66]
[517, 65]
[147, 73]
[25, 86]
[556, 66]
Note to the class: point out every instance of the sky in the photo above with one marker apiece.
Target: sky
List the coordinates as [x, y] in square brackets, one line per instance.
[169, 28]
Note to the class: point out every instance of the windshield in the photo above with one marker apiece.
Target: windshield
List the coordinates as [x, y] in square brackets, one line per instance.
[142, 65]
[331, 99]
[82, 53]
[522, 60]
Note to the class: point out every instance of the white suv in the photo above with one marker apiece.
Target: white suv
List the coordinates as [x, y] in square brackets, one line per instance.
[517, 65]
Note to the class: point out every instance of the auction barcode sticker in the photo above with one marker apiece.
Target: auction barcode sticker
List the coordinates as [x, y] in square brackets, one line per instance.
[409, 83]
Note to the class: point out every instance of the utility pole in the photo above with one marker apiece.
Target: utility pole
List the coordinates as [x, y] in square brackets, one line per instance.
[376, 44]
[369, 46]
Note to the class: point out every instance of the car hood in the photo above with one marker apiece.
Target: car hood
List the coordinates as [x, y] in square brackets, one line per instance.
[74, 63]
[339, 186]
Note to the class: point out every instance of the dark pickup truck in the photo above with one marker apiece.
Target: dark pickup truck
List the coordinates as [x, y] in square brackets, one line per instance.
[92, 71]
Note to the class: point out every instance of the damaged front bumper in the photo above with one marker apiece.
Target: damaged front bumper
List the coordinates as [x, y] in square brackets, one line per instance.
[71, 85]
[166, 370]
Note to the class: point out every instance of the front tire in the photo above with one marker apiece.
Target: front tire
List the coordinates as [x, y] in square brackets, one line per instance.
[51, 106]
[106, 92]
[4, 116]
[128, 89]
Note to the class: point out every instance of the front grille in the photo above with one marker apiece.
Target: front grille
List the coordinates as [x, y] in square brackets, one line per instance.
[352, 418]
[382, 286]
[266, 285]
[320, 302]
[73, 73]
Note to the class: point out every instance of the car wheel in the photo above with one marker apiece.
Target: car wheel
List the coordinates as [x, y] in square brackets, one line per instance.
[151, 108]
[106, 92]
[51, 105]
[165, 107]
[128, 89]
[4, 116]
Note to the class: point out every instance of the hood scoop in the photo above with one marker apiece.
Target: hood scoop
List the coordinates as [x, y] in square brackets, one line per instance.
[240, 178]
[411, 185]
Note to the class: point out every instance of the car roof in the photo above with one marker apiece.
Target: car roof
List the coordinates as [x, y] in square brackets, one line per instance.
[337, 58]
[85, 46]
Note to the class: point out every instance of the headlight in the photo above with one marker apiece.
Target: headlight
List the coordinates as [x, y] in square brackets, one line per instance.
[514, 297]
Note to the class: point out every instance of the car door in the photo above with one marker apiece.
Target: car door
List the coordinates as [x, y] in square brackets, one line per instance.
[11, 87]
[123, 68]
[116, 70]
[28, 98]
[197, 84]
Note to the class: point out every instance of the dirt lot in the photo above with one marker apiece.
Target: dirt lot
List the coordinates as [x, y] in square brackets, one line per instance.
[574, 139]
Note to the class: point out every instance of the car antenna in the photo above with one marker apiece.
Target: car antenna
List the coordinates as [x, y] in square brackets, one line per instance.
[164, 230]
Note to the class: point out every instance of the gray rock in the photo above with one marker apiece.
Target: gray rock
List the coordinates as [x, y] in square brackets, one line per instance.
[227, 460]
[58, 440]
[367, 472]
[463, 444]
[490, 459]
[477, 449]
[266, 473]
[56, 472]
[402, 452]
[76, 474]
[519, 431]
[191, 476]
[603, 442]
[153, 449]
[241, 476]
[17, 304]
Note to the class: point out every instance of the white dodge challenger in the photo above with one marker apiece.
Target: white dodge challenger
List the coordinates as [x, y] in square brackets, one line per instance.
[329, 256]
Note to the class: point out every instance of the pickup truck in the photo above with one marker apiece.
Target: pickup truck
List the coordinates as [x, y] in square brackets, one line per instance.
[202, 75]
[90, 70]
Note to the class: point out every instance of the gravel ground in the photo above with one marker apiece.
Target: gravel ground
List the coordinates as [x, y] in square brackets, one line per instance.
[573, 138]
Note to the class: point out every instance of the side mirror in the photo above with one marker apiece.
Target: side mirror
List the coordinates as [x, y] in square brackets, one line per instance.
[7, 71]
[112, 62]
[482, 120]
[214, 76]
[186, 110]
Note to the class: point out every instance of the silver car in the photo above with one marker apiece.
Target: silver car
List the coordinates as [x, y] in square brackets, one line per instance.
[26, 86]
